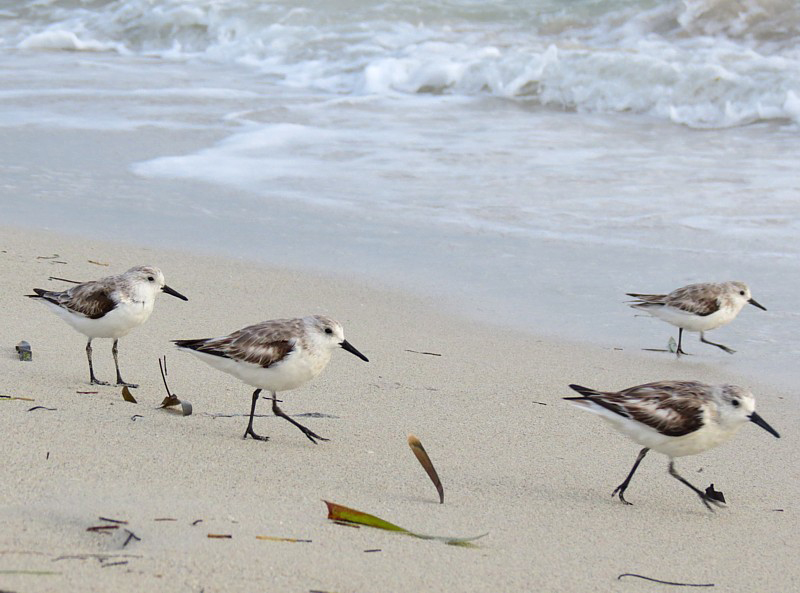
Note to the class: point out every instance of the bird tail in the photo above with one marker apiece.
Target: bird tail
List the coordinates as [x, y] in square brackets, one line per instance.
[190, 344]
[585, 392]
[41, 293]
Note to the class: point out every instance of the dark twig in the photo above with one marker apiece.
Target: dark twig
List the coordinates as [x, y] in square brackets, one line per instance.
[196, 522]
[163, 370]
[426, 353]
[120, 521]
[114, 564]
[42, 408]
[131, 535]
[639, 576]
[65, 280]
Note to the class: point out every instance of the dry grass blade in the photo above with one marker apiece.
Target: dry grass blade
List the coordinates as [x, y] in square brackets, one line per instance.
[293, 540]
[127, 396]
[10, 397]
[425, 461]
[219, 536]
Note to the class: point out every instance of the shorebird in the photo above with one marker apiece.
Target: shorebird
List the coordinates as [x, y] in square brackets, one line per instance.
[676, 418]
[108, 308]
[698, 307]
[275, 355]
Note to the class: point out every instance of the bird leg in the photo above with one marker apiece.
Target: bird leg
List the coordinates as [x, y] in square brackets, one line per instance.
[278, 412]
[249, 430]
[703, 496]
[680, 351]
[92, 379]
[720, 346]
[622, 487]
[120, 382]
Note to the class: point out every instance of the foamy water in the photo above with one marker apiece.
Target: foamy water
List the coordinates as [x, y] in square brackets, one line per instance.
[527, 161]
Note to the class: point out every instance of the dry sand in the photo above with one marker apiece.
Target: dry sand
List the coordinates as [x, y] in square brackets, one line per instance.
[516, 461]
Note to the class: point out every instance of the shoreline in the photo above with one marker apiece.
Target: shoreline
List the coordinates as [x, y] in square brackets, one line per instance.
[536, 477]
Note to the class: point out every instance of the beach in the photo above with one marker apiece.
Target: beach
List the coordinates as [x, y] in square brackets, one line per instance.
[471, 189]
[516, 461]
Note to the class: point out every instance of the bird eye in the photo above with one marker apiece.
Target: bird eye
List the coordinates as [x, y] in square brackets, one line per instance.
[328, 330]
[741, 292]
[735, 403]
[151, 279]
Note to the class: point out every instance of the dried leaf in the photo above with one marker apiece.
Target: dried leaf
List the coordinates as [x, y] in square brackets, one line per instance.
[127, 396]
[425, 461]
[169, 401]
[339, 513]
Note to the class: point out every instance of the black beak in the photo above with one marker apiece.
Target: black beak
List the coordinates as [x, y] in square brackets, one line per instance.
[756, 419]
[173, 292]
[755, 303]
[349, 347]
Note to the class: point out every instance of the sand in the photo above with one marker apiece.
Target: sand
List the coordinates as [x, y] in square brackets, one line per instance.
[516, 461]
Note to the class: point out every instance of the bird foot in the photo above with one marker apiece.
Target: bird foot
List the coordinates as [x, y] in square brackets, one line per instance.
[255, 436]
[312, 435]
[619, 493]
[710, 499]
[124, 384]
[94, 381]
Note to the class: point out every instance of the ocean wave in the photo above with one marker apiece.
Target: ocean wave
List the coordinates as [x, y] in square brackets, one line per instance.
[700, 63]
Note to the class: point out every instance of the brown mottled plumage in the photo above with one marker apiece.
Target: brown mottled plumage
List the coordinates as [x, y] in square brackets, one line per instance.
[676, 418]
[277, 355]
[697, 307]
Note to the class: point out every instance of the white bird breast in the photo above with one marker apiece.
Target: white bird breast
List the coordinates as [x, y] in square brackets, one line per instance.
[114, 324]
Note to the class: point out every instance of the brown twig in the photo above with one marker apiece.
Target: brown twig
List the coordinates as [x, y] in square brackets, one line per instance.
[102, 528]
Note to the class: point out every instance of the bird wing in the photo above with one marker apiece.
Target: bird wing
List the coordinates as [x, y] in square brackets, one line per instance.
[673, 408]
[91, 299]
[700, 299]
[264, 344]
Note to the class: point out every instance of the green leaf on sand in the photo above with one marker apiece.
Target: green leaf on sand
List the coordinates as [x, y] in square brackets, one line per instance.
[337, 512]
